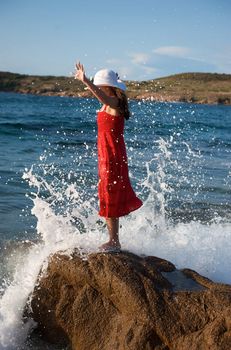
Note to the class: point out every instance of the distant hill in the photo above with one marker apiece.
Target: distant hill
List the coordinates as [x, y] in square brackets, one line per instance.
[209, 88]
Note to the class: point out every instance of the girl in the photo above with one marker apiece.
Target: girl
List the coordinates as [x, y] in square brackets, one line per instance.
[116, 196]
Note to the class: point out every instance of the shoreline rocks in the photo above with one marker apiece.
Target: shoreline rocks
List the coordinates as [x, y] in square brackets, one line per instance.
[124, 301]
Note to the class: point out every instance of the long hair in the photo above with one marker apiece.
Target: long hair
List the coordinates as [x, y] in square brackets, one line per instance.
[123, 102]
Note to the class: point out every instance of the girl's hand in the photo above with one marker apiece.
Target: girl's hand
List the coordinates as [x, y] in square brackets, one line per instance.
[80, 72]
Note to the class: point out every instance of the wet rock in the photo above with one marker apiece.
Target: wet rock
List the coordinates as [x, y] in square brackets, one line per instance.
[123, 301]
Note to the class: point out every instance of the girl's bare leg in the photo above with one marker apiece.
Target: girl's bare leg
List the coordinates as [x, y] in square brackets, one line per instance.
[113, 230]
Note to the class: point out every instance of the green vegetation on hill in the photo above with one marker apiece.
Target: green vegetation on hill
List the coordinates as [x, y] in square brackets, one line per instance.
[35, 84]
[190, 87]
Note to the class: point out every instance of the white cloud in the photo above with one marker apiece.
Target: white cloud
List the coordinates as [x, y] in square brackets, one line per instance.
[139, 58]
[120, 66]
[125, 72]
[173, 51]
[168, 60]
[139, 66]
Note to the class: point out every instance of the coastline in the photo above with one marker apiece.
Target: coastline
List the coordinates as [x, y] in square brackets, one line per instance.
[200, 88]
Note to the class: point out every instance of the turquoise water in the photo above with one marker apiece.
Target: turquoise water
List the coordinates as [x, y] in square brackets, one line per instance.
[180, 166]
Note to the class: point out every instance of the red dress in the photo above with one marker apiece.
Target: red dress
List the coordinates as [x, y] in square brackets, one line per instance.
[116, 196]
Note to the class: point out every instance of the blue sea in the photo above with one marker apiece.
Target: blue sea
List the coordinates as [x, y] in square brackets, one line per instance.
[179, 164]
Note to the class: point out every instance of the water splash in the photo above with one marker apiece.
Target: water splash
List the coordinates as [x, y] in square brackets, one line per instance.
[66, 213]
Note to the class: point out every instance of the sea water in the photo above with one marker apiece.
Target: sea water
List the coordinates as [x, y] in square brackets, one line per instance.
[179, 164]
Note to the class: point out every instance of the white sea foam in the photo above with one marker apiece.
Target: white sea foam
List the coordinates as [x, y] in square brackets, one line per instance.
[202, 247]
[56, 233]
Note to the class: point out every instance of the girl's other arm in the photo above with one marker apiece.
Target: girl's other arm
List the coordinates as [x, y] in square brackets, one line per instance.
[99, 94]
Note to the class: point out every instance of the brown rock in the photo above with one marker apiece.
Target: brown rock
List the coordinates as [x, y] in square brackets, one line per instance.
[123, 301]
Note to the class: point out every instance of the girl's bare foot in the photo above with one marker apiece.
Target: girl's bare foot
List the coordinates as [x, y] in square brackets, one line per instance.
[113, 229]
[111, 245]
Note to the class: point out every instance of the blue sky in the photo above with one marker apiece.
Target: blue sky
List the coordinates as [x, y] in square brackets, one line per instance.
[140, 39]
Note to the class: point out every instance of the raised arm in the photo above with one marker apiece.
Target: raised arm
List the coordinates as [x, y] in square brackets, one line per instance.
[99, 94]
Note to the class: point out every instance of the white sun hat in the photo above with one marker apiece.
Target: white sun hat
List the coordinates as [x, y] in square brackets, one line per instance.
[107, 77]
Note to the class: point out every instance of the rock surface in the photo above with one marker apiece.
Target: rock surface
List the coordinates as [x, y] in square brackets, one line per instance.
[123, 301]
